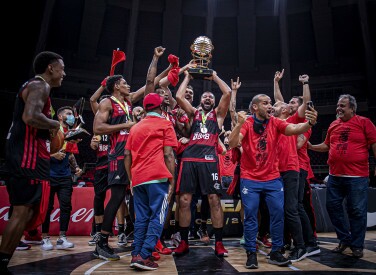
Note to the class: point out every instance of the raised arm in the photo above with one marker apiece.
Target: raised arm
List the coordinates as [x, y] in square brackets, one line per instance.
[234, 90]
[94, 98]
[306, 94]
[300, 128]
[180, 96]
[277, 92]
[35, 97]
[101, 126]
[236, 137]
[224, 102]
[164, 83]
[152, 71]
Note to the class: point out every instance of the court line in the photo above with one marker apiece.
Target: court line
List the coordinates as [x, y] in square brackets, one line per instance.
[88, 272]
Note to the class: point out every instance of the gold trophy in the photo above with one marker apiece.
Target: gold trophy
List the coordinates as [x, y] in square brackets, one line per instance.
[201, 52]
[77, 132]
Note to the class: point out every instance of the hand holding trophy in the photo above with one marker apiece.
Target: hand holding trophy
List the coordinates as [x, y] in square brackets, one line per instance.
[201, 52]
[77, 133]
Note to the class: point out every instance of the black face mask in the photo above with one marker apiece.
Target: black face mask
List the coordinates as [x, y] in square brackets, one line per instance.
[259, 125]
[258, 128]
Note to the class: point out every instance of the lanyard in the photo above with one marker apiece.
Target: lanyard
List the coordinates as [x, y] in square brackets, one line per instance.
[123, 106]
[204, 117]
[165, 115]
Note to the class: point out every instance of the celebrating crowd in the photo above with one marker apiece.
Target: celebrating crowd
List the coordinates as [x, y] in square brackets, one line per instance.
[167, 151]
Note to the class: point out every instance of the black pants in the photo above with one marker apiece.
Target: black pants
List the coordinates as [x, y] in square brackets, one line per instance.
[308, 236]
[293, 224]
[63, 188]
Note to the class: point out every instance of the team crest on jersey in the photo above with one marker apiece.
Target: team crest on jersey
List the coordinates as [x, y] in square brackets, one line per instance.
[217, 186]
[209, 157]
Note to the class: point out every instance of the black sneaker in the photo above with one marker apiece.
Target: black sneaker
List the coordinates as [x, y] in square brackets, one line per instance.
[313, 250]
[357, 252]
[297, 254]
[23, 246]
[251, 260]
[340, 248]
[105, 252]
[277, 258]
[286, 247]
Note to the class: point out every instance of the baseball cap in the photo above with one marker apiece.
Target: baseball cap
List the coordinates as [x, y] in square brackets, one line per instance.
[152, 100]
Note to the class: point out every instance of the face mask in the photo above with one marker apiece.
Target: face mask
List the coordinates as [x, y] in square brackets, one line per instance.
[70, 120]
[258, 125]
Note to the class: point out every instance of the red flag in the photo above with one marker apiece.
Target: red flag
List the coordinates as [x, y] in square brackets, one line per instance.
[117, 57]
[173, 74]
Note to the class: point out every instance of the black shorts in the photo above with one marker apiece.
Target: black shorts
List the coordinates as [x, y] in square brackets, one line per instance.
[202, 175]
[117, 173]
[100, 181]
[24, 191]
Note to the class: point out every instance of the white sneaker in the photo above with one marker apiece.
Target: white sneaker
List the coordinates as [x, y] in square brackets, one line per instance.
[62, 243]
[47, 245]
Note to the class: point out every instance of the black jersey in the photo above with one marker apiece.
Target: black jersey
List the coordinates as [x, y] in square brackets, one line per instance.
[102, 153]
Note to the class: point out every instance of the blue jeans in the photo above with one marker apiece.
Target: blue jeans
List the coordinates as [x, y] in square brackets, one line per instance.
[355, 191]
[150, 206]
[250, 192]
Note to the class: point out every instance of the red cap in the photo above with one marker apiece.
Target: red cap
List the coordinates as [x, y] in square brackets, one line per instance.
[152, 100]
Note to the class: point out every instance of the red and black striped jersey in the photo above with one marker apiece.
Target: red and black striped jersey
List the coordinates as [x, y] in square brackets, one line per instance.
[204, 138]
[28, 148]
[118, 139]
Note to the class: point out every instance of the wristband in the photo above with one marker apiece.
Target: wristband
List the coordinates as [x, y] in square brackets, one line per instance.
[305, 82]
[103, 83]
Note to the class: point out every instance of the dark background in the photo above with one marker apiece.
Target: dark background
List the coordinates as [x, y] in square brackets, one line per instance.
[333, 41]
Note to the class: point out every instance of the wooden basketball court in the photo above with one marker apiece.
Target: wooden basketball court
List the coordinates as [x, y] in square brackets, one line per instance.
[200, 260]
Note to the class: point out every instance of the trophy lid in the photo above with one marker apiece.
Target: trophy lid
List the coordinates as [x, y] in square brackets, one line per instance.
[202, 45]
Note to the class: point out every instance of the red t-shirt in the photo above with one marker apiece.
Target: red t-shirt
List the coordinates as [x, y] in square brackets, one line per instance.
[259, 160]
[146, 141]
[287, 151]
[304, 160]
[226, 166]
[349, 143]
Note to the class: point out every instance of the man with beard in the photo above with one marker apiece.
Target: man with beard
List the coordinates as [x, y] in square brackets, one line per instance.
[348, 140]
[199, 166]
[259, 134]
[298, 104]
[289, 170]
